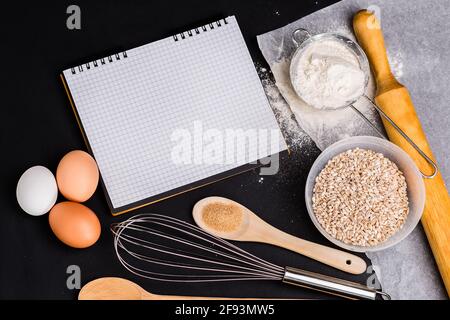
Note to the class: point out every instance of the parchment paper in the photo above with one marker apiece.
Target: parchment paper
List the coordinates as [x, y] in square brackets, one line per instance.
[417, 36]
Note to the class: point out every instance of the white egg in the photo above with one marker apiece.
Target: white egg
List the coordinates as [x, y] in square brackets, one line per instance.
[37, 191]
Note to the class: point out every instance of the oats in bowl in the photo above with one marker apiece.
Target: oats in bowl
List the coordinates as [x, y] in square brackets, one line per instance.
[360, 198]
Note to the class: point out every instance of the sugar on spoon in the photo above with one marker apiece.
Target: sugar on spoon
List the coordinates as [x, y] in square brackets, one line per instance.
[230, 220]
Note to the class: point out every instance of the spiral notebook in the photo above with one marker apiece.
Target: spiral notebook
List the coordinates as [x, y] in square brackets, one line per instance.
[156, 117]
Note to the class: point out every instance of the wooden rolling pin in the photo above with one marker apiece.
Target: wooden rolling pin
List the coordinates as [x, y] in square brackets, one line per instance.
[394, 99]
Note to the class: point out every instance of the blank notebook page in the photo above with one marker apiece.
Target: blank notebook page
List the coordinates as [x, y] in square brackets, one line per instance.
[131, 108]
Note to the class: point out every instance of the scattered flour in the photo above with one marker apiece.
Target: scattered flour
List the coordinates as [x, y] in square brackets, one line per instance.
[396, 62]
[301, 146]
[295, 136]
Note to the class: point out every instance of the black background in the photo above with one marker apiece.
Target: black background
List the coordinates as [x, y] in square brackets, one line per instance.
[38, 128]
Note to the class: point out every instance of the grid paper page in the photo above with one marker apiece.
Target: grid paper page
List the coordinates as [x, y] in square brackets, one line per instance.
[130, 109]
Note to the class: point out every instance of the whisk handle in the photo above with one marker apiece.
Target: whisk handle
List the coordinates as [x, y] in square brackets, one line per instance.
[338, 287]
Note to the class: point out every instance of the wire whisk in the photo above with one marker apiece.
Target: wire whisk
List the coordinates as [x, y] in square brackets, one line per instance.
[164, 248]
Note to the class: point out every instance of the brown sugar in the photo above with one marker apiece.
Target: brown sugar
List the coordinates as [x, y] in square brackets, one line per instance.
[222, 217]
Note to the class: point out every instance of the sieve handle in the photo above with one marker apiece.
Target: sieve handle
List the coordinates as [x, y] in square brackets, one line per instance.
[335, 286]
[401, 132]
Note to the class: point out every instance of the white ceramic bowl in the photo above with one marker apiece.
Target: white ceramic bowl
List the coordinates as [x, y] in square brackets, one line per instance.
[415, 186]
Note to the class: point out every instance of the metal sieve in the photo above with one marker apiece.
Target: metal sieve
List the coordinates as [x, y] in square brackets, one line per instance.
[302, 39]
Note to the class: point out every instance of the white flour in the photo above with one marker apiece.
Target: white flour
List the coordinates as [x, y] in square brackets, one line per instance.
[327, 75]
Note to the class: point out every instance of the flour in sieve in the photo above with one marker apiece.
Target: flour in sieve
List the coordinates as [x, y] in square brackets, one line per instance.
[327, 75]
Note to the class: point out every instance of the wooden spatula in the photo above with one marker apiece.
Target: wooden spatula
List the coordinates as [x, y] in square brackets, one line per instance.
[122, 289]
[393, 98]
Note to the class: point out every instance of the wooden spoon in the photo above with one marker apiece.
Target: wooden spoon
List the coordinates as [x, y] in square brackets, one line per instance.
[254, 229]
[122, 289]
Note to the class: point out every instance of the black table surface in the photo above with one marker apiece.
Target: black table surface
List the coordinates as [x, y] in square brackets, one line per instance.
[38, 128]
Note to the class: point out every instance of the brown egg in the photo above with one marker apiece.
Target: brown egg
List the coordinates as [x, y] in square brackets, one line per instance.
[77, 176]
[74, 224]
